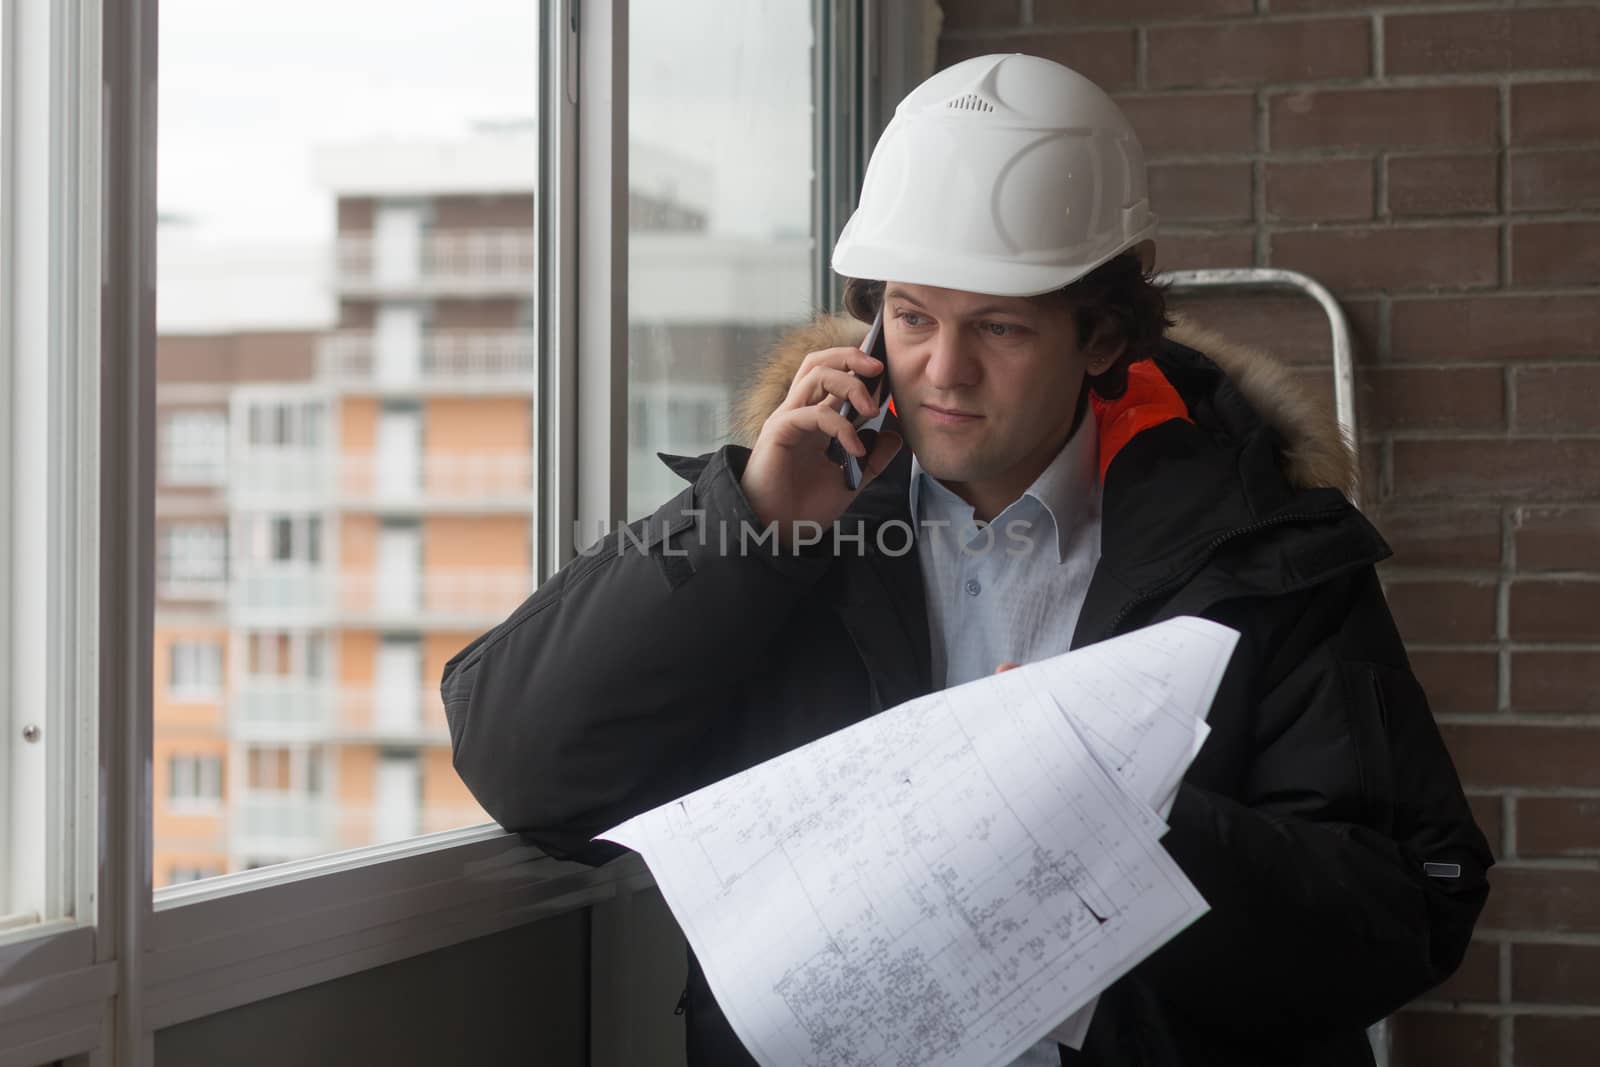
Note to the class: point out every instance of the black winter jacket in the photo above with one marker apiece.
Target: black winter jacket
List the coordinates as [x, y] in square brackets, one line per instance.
[631, 677]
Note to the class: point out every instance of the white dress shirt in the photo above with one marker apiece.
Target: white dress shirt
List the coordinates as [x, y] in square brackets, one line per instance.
[1013, 593]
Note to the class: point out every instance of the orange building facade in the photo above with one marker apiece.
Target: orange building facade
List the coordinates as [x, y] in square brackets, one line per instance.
[339, 511]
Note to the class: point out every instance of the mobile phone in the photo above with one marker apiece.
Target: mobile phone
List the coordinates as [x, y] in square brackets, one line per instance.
[877, 386]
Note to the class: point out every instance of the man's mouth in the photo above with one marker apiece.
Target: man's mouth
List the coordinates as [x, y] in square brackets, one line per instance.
[950, 416]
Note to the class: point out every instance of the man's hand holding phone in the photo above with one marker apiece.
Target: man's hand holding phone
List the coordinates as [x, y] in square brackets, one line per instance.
[793, 474]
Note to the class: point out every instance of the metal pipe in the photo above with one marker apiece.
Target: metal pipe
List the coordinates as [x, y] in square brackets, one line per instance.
[1344, 380]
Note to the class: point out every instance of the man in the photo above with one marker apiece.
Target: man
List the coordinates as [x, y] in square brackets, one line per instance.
[1000, 230]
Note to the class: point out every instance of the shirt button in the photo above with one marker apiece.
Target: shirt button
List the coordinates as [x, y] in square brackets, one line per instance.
[973, 588]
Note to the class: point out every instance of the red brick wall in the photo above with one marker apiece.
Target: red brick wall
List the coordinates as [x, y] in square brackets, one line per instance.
[1438, 167]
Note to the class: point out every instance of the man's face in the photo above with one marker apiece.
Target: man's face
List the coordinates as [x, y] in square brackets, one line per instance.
[985, 386]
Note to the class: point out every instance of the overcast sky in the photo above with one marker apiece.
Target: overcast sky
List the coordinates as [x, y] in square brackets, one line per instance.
[247, 89]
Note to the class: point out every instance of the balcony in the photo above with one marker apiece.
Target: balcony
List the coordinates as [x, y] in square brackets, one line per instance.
[270, 710]
[280, 476]
[280, 595]
[366, 826]
[441, 481]
[449, 361]
[275, 825]
[439, 600]
[453, 262]
[384, 715]
[459, 482]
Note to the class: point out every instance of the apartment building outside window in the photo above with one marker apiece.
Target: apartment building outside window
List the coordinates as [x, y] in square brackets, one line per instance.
[193, 560]
[194, 781]
[195, 671]
[194, 448]
[310, 340]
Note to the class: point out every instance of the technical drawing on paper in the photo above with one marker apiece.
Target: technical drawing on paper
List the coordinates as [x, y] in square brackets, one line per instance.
[945, 882]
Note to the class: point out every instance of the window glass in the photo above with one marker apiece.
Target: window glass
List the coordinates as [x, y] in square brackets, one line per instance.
[719, 253]
[345, 281]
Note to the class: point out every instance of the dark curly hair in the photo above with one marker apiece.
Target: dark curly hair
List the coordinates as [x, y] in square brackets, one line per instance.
[1117, 295]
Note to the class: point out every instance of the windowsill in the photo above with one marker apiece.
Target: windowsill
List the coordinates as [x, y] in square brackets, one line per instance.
[235, 939]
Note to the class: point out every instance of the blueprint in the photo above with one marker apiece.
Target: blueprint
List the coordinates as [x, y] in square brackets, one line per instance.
[950, 880]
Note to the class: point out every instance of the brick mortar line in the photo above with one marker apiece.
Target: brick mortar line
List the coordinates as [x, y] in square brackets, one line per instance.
[1380, 186]
[1535, 647]
[1508, 828]
[1385, 329]
[1357, 152]
[1512, 374]
[1515, 79]
[1497, 437]
[1261, 243]
[1504, 1012]
[1521, 293]
[1508, 547]
[1141, 58]
[1477, 646]
[1584, 865]
[1523, 720]
[1505, 936]
[1526, 792]
[1025, 12]
[1376, 50]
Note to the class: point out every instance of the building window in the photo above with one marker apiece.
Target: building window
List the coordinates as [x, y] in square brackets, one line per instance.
[194, 559]
[194, 781]
[196, 670]
[180, 872]
[194, 448]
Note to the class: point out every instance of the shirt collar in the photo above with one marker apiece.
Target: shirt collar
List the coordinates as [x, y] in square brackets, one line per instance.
[1067, 490]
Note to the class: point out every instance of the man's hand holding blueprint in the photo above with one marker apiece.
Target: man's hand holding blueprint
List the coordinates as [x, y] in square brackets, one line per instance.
[953, 879]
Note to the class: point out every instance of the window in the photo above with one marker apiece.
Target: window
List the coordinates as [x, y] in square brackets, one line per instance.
[194, 448]
[196, 671]
[377, 372]
[195, 781]
[271, 289]
[194, 559]
[720, 252]
[180, 873]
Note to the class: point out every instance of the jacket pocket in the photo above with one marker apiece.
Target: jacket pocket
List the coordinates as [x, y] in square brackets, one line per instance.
[1369, 717]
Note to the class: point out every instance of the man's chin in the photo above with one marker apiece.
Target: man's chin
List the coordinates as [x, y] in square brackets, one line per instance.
[940, 464]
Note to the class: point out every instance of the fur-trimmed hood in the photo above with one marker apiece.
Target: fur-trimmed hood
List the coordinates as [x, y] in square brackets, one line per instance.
[1315, 453]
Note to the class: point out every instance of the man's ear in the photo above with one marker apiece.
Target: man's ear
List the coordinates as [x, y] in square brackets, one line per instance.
[1106, 346]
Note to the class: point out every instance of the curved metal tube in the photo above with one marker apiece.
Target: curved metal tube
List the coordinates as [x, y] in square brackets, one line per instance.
[1344, 379]
[1344, 402]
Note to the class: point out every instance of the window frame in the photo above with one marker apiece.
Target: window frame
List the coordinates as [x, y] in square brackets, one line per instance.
[93, 988]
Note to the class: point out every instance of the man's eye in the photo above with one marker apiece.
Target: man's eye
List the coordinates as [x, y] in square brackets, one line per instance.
[999, 329]
[910, 318]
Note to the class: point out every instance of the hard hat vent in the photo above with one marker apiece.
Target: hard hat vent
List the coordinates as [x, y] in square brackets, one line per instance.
[969, 102]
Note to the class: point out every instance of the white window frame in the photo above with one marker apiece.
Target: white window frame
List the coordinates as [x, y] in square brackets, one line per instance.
[94, 986]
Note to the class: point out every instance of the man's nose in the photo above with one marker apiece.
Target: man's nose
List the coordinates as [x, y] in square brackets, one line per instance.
[951, 364]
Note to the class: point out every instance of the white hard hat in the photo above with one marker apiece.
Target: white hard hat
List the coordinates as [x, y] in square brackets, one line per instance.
[1006, 174]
